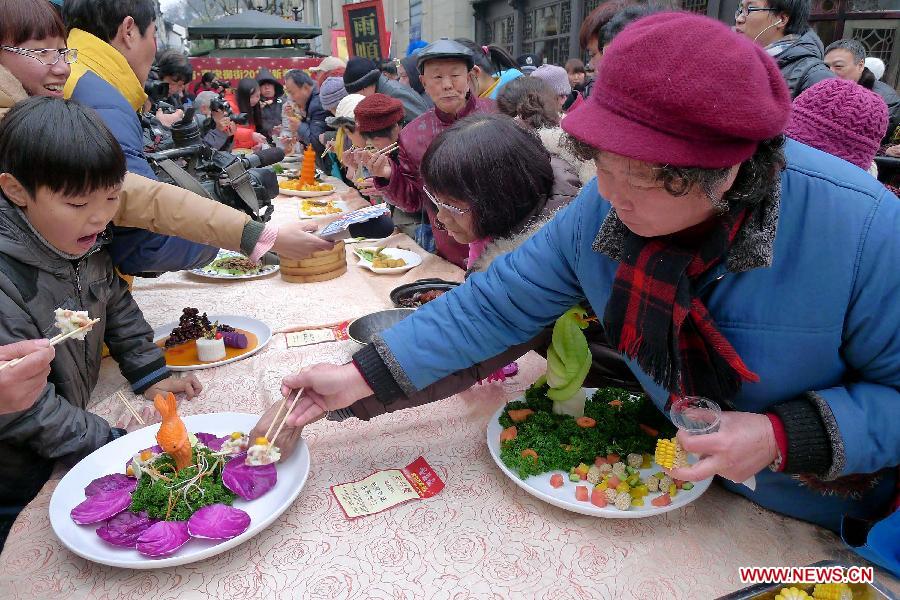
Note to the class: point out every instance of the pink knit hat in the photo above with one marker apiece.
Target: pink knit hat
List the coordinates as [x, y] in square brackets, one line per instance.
[683, 90]
[842, 118]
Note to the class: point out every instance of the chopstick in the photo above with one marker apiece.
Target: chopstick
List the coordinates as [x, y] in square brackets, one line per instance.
[286, 415]
[54, 341]
[284, 402]
[130, 408]
[387, 149]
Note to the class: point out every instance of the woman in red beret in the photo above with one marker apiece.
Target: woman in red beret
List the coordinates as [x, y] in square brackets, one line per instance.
[726, 261]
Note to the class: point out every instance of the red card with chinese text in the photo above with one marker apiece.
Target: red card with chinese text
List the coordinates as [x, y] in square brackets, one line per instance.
[386, 489]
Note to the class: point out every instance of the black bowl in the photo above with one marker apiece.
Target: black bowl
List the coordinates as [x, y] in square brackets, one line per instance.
[363, 329]
[422, 285]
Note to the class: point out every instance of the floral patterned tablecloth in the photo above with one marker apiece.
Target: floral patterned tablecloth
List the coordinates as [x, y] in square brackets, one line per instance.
[481, 537]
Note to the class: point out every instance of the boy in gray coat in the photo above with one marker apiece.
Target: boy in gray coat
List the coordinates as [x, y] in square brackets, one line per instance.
[60, 174]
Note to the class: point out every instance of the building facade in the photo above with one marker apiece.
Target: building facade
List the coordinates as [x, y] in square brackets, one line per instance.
[549, 28]
[408, 20]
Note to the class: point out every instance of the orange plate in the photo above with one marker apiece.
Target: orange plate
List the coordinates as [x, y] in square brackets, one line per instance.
[185, 355]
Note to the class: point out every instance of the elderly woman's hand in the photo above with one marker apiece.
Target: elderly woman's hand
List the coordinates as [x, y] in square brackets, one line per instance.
[893, 151]
[288, 437]
[743, 446]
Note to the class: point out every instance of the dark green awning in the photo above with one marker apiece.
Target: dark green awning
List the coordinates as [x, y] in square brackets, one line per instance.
[252, 24]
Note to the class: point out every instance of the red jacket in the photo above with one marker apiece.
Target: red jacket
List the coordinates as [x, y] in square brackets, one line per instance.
[243, 136]
[404, 189]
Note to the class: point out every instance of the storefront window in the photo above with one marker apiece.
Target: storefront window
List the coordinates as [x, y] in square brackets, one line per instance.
[547, 31]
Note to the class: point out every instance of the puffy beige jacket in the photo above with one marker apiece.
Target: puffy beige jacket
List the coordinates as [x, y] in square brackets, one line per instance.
[160, 207]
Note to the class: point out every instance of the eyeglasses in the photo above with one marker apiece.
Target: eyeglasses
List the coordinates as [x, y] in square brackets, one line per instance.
[46, 56]
[450, 209]
[745, 12]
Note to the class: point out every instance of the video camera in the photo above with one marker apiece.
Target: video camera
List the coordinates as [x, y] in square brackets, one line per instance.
[220, 104]
[239, 182]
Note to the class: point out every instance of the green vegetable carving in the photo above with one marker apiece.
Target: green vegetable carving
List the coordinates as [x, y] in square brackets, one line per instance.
[568, 361]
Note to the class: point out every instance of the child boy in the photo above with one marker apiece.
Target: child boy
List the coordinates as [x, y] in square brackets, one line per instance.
[60, 174]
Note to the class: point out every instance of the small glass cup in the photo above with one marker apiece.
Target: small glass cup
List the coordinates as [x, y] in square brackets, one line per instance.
[696, 415]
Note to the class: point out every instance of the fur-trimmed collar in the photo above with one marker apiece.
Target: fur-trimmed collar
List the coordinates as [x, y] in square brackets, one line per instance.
[553, 139]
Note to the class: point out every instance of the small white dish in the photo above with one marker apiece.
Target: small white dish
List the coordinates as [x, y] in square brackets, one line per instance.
[411, 259]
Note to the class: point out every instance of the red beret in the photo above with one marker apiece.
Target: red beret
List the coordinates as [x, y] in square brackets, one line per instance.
[684, 90]
[377, 112]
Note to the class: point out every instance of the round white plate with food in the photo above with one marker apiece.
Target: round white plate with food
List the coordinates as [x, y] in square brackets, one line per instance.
[368, 258]
[564, 496]
[84, 541]
[184, 357]
[229, 265]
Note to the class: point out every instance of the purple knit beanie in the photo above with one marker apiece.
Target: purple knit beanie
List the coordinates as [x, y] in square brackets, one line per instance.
[842, 118]
[557, 77]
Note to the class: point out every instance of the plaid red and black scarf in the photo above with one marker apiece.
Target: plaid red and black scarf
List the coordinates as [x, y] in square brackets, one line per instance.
[655, 317]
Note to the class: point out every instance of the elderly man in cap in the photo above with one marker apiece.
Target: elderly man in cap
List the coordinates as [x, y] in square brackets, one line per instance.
[331, 66]
[726, 262]
[445, 67]
[363, 77]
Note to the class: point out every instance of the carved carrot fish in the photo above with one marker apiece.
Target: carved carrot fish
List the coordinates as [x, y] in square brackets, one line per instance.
[173, 435]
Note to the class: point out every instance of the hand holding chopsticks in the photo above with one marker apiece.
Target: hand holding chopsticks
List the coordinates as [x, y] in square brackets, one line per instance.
[290, 408]
[130, 408]
[54, 341]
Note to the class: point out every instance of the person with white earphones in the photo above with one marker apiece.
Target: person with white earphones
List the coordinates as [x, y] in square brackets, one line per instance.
[782, 28]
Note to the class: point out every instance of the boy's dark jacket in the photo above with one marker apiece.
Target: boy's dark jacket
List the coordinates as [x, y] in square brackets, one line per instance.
[35, 280]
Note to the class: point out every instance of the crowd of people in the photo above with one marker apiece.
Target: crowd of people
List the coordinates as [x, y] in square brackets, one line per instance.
[722, 218]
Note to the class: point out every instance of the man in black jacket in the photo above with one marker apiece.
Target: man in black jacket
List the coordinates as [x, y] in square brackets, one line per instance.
[847, 59]
[782, 28]
[304, 115]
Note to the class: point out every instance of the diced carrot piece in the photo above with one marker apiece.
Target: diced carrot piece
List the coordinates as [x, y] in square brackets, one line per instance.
[598, 498]
[612, 458]
[582, 470]
[614, 482]
[508, 434]
[556, 480]
[146, 454]
[600, 460]
[617, 403]
[663, 500]
[583, 476]
[518, 416]
[585, 422]
[678, 483]
[649, 430]
[581, 493]
[528, 452]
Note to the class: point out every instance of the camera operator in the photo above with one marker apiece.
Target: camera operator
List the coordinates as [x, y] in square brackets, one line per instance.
[217, 127]
[116, 43]
[175, 69]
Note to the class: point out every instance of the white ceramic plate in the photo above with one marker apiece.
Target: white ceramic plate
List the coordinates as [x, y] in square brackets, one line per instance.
[412, 259]
[83, 539]
[262, 332]
[210, 273]
[564, 497]
[300, 194]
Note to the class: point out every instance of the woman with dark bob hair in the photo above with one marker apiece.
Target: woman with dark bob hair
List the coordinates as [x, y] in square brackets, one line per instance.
[498, 212]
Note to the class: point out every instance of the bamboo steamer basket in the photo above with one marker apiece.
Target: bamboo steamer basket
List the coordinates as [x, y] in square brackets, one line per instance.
[321, 266]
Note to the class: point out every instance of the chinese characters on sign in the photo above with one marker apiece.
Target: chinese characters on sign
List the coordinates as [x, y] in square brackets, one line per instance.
[364, 24]
[385, 489]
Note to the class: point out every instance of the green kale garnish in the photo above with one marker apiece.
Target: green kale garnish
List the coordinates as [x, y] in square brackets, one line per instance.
[561, 444]
[176, 496]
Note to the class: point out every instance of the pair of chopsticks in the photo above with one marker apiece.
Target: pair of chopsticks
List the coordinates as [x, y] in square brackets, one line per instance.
[130, 408]
[54, 341]
[297, 394]
[387, 149]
